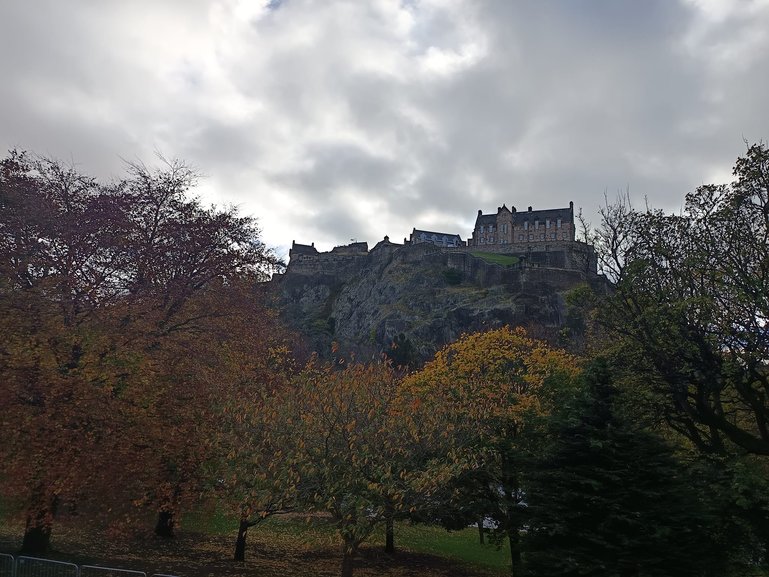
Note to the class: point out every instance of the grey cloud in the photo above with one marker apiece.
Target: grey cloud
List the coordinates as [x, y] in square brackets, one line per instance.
[561, 101]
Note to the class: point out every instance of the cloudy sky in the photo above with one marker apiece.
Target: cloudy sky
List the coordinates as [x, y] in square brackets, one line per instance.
[332, 120]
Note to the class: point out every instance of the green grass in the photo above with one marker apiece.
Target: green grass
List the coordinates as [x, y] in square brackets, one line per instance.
[318, 532]
[429, 539]
[460, 545]
[210, 521]
[495, 258]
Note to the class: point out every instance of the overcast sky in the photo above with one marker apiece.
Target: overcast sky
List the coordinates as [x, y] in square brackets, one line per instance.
[332, 120]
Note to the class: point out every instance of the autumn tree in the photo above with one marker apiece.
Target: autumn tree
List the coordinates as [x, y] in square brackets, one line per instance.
[336, 449]
[106, 290]
[192, 284]
[249, 480]
[483, 401]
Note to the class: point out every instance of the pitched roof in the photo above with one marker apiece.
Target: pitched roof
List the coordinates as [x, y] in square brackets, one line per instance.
[484, 219]
[565, 214]
[417, 231]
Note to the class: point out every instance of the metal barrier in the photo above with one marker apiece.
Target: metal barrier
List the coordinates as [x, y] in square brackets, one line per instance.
[7, 565]
[33, 567]
[94, 571]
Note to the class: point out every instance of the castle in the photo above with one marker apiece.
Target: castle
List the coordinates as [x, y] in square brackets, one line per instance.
[533, 227]
[539, 238]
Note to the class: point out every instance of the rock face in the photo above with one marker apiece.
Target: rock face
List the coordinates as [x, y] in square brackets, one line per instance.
[425, 295]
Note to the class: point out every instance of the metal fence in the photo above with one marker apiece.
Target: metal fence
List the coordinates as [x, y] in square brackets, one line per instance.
[34, 567]
[7, 565]
[94, 571]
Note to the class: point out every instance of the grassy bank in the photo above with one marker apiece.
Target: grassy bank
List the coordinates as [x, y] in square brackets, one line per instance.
[495, 258]
[279, 547]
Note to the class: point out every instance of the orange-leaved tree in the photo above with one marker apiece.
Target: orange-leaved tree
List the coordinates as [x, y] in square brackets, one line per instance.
[116, 313]
[482, 403]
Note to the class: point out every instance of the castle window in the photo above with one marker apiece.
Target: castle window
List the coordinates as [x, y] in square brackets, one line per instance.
[536, 225]
[520, 237]
[481, 229]
[559, 223]
[491, 240]
[542, 236]
[531, 237]
[552, 235]
[547, 223]
[491, 228]
[526, 225]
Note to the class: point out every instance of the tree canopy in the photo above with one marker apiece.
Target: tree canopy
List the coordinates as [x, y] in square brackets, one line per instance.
[115, 300]
[482, 404]
[691, 305]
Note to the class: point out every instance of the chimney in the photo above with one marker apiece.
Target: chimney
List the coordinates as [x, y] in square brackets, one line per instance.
[529, 209]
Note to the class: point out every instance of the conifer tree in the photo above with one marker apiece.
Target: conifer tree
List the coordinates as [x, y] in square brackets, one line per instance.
[613, 501]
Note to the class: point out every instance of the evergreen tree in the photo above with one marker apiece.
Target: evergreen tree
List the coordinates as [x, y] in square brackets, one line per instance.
[611, 500]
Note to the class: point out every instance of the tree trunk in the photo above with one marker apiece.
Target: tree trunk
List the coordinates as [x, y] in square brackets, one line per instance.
[165, 525]
[37, 533]
[240, 543]
[347, 563]
[515, 553]
[37, 539]
[389, 531]
[481, 531]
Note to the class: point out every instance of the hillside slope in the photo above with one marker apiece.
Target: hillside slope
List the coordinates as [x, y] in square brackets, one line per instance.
[429, 296]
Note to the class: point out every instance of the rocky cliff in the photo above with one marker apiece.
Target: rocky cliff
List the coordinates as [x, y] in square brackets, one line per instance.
[419, 296]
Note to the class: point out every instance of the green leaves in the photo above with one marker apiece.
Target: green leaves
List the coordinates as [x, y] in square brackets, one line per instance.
[691, 301]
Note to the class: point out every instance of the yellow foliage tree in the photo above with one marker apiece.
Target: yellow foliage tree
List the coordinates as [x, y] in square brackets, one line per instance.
[481, 405]
[333, 445]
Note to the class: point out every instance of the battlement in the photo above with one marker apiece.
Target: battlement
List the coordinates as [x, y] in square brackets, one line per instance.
[539, 238]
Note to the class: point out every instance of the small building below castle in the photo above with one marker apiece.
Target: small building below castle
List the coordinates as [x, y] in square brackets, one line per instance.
[443, 239]
[510, 227]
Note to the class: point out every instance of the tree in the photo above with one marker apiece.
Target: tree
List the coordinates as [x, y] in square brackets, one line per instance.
[690, 306]
[335, 447]
[611, 499]
[104, 293]
[192, 273]
[402, 352]
[483, 402]
[248, 476]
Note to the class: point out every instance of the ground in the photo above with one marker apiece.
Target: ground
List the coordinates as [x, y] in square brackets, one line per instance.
[279, 548]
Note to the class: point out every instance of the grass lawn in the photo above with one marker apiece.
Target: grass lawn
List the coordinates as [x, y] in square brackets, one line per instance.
[462, 545]
[495, 258]
[279, 547]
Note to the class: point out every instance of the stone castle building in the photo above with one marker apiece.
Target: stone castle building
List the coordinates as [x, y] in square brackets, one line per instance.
[532, 227]
[437, 238]
[537, 238]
